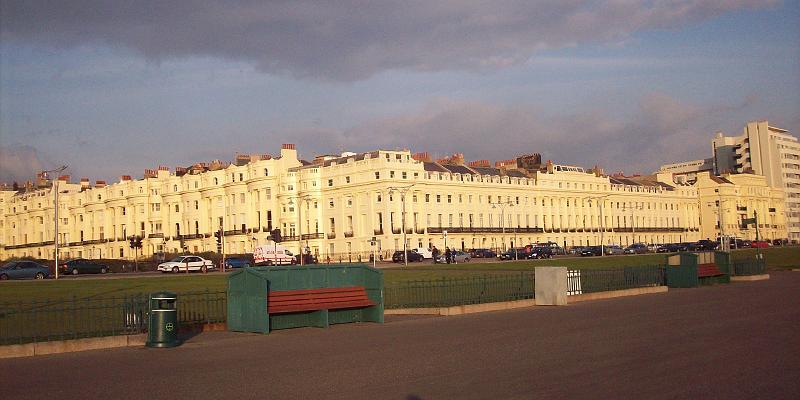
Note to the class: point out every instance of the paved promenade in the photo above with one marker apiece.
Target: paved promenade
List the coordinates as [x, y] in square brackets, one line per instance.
[734, 341]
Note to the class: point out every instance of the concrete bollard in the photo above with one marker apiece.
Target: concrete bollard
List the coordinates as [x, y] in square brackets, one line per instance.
[551, 286]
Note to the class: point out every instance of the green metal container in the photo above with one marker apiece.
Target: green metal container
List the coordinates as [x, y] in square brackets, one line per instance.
[162, 324]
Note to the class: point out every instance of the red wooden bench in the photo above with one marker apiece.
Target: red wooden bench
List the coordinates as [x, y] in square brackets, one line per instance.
[708, 270]
[289, 301]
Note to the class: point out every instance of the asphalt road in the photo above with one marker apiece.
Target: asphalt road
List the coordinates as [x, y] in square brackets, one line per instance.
[730, 342]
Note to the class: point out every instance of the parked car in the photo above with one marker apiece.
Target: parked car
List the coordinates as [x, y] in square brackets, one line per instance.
[425, 253]
[557, 250]
[613, 250]
[23, 270]
[413, 256]
[514, 254]
[591, 251]
[237, 262]
[636, 248]
[671, 248]
[184, 263]
[482, 253]
[458, 257]
[540, 253]
[707, 245]
[576, 250]
[82, 266]
[308, 259]
[759, 244]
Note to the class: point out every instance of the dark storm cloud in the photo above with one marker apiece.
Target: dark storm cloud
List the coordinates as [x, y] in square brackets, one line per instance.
[348, 40]
[19, 163]
[662, 130]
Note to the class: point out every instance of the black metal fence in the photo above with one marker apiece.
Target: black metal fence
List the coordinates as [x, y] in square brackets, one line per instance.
[590, 280]
[448, 292]
[748, 267]
[77, 318]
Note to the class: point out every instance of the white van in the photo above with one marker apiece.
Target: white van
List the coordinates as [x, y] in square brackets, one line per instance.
[425, 253]
[272, 254]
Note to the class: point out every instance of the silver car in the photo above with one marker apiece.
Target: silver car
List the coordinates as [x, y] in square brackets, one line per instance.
[458, 257]
[614, 250]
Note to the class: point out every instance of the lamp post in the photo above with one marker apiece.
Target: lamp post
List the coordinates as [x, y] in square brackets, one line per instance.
[721, 221]
[55, 213]
[602, 222]
[633, 220]
[502, 205]
[307, 199]
[403, 190]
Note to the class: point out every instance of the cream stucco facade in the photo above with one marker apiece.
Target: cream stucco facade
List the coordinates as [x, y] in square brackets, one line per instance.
[334, 206]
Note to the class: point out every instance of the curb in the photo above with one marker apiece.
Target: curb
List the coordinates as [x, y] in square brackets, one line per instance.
[509, 305]
[69, 346]
[104, 342]
[616, 293]
[465, 309]
[750, 278]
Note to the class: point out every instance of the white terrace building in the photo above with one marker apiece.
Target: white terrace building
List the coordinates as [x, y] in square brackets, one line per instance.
[336, 205]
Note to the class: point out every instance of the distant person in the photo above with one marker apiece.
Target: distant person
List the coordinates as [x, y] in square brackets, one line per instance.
[435, 254]
[447, 255]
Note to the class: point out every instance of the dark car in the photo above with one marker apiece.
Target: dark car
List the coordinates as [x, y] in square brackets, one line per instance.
[308, 259]
[482, 253]
[412, 256]
[82, 266]
[591, 251]
[540, 252]
[672, 248]
[706, 245]
[514, 254]
[237, 262]
[636, 248]
[23, 270]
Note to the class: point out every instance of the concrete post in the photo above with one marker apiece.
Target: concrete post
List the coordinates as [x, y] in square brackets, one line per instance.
[551, 286]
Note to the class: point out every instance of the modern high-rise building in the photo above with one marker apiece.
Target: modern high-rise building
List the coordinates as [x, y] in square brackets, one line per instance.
[767, 151]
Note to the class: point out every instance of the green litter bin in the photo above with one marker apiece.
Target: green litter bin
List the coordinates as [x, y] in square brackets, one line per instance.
[162, 324]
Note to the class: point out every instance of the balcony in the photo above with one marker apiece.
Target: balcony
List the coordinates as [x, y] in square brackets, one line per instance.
[311, 236]
[348, 234]
[292, 238]
[378, 231]
[155, 236]
[409, 231]
[396, 231]
[236, 232]
[331, 235]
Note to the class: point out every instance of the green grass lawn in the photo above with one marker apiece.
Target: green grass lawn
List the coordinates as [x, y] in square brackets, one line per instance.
[777, 258]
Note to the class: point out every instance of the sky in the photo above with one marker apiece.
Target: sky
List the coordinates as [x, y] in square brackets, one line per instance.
[111, 88]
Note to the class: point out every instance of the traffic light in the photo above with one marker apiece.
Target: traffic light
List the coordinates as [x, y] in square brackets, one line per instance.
[276, 235]
[218, 234]
[136, 242]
